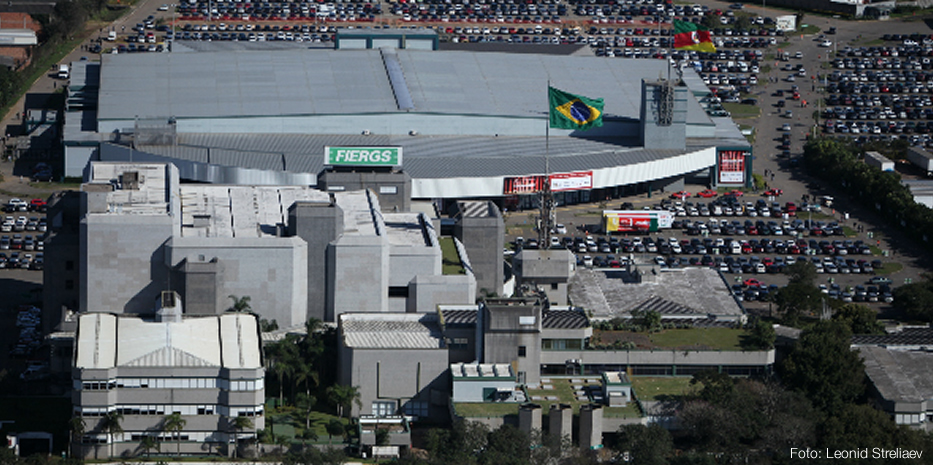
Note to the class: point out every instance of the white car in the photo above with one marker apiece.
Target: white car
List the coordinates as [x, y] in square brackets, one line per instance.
[826, 43]
[560, 229]
[163, 8]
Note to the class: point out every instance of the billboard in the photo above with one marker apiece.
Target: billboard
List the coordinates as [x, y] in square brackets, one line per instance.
[786, 23]
[731, 165]
[362, 156]
[571, 181]
[559, 183]
[636, 220]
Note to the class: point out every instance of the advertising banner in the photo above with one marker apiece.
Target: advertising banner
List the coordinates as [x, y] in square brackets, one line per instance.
[732, 166]
[362, 156]
[636, 220]
[571, 181]
[560, 182]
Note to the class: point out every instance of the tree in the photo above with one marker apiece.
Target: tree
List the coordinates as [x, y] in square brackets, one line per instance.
[759, 336]
[644, 445]
[382, 437]
[823, 367]
[147, 443]
[801, 272]
[334, 428]
[279, 356]
[507, 445]
[240, 304]
[717, 386]
[343, 397]
[796, 299]
[77, 427]
[267, 326]
[306, 404]
[461, 443]
[915, 300]
[239, 423]
[111, 424]
[173, 424]
[859, 318]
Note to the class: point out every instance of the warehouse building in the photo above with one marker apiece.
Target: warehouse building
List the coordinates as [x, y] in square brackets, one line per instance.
[470, 124]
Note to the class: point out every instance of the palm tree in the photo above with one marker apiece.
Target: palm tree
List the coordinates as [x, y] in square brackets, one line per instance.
[306, 404]
[77, 426]
[343, 397]
[240, 304]
[111, 424]
[239, 424]
[174, 423]
[148, 443]
[279, 355]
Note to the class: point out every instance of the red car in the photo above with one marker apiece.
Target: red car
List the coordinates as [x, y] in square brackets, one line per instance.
[773, 192]
[752, 282]
[707, 193]
[37, 205]
[681, 195]
[736, 193]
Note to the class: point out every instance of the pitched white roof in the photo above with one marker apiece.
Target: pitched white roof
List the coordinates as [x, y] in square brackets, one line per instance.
[391, 331]
[106, 341]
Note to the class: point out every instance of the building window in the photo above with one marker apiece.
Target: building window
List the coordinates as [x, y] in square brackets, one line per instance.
[553, 286]
[69, 284]
[398, 291]
[69, 265]
[383, 408]
[561, 344]
[388, 190]
[520, 377]
[522, 351]
[458, 343]
[418, 409]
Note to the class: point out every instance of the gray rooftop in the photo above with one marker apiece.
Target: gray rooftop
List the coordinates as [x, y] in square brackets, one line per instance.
[391, 331]
[323, 82]
[425, 156]
[695, 291]
[899, 376]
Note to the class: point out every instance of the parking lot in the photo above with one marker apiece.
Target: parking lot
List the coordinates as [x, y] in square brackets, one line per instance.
[22, 243]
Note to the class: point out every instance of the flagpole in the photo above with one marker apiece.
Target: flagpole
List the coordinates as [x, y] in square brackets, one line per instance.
[544, 206]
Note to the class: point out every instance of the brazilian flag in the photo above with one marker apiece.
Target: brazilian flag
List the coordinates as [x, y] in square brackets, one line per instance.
[569, 111]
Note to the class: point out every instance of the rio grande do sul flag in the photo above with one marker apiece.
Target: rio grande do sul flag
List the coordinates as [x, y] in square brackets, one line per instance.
[689, 36]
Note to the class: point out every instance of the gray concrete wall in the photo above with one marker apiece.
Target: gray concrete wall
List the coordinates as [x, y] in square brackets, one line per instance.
[484, 239]
[425, 293]
[658, 136]
[318, 224]
[122, 265]
[271, 271]
[661, 357]
[198, 283]
[405, 262]
[60, 277]
[503, 335]
[472, 390]
[357, 275]
[393, 188]
[394, 375]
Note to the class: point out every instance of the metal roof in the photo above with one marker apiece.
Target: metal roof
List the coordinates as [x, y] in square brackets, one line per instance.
[230, 340]
[564, 319]
[237, 83]
[904, 337]
[391, 331]
[425, 156]
[609, 293]
[459, 317]
[899, 376]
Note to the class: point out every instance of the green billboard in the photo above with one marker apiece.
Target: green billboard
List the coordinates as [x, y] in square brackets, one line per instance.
[363, 156]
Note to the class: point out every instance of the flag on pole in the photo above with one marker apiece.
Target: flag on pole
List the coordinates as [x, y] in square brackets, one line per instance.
[689, 36]
[569, 111]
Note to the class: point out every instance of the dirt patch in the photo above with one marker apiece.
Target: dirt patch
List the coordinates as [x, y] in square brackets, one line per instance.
[641, 340]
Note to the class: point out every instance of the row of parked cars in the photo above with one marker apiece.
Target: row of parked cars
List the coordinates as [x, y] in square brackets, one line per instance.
[28, 319]
[25, 261]
[19, 205]
[20, 242]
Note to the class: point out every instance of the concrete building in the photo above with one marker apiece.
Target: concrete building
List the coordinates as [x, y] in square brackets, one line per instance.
[481, 229]
[295, 251]
[209, 369]
[397, 361]
[546, 270]
[902, 384]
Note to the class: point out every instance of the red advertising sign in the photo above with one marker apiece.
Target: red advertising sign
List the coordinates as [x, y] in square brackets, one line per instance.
[559, 183]
[732, 166]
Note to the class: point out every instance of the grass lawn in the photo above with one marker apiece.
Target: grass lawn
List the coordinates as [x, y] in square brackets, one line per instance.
[750, 137]
[658, 388]
[889, 267]
[631, 410]
[738, 110]
[700, 338]
[808, 29]
[291, 423]
[485, 409]
[451, 261]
